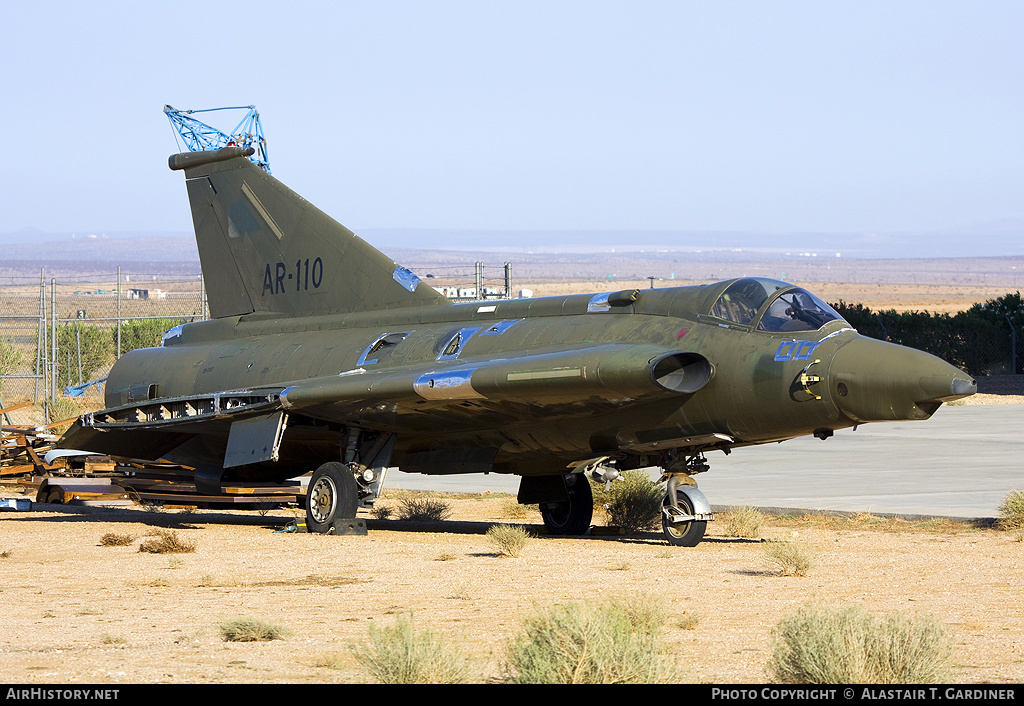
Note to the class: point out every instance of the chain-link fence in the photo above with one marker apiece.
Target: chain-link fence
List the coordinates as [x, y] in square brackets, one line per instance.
[61, 337]
[468, 282]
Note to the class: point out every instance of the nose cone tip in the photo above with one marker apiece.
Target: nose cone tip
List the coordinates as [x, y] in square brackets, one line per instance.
[878, 381]
[953, 385]
[964, 387]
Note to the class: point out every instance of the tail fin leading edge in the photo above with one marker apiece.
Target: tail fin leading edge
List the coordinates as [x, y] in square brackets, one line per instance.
[265, 248]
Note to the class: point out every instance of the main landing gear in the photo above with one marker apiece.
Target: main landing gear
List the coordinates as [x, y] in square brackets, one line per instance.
[333, 495]
[338, 488]
[567, 504]
[571, 516]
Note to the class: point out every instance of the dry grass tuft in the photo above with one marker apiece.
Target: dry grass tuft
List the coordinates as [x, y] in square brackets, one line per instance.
[788, 556]
[511, 509]
[418, 509]
[617, 641]
[401, 655]
[690, 621]
[167, 542]
[115, 539]
[633, 502]
[744, 522]
[846, 646]
[250, 630]
[381, 512]
[1011, 514]
[509, 540]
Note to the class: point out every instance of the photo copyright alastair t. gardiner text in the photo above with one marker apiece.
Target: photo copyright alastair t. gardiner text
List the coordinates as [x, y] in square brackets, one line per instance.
[866, 693]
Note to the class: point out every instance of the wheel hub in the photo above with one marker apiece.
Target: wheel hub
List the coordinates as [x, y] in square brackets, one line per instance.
[323, 499]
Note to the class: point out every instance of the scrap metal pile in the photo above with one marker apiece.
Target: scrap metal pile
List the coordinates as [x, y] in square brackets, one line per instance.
[29, 460]
[24, 460]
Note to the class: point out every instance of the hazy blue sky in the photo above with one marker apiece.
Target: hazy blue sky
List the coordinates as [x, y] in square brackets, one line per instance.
[724, 115]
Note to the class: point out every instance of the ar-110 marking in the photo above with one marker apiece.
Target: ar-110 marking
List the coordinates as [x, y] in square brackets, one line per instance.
[306, 273]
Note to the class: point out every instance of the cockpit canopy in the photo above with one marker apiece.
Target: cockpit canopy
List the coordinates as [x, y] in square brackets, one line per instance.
[770, 305]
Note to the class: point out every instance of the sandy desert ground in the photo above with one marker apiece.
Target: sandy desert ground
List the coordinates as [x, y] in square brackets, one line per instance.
[77, 612]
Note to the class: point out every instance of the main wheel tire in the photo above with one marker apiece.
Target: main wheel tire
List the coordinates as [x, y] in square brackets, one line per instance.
[332, 495]
[572, 516]
[683, 534]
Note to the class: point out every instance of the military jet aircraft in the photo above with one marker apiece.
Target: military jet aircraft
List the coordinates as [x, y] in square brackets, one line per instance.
[324, 355]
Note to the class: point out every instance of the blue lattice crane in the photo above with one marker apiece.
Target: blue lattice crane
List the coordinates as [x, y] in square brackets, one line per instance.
[198, 136]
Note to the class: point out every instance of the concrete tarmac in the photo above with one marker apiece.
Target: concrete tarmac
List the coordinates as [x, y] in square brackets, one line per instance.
[961, 463]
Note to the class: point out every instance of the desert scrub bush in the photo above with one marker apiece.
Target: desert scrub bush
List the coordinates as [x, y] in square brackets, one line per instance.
[1011, 513]
[11, 359]
[743, 522]
[509, 540]
[847, 646]
[689, 621]
[381, 512]
[424, 509]
[401, 655]
[141, 333]
[115, 539]
[616, 641]
[84, 351]
[167, 542]
[61, 409]
[512, 509]
[788, 556]
[328, 660]
[250, 630]
[634, 502]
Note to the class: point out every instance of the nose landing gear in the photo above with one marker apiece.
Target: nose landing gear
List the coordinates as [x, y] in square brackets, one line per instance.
[685, 512]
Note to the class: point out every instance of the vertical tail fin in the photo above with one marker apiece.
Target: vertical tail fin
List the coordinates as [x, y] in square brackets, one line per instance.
[265, 248]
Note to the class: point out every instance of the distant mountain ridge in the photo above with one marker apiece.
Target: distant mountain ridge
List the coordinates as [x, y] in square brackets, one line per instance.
[995, 239]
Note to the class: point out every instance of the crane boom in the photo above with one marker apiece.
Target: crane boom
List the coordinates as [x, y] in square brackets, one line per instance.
[198, 136]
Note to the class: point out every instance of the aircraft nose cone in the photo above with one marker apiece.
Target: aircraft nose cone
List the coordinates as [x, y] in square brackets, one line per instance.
[875, 381]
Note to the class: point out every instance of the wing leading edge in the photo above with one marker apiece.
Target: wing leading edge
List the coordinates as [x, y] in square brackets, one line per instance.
[400, 399]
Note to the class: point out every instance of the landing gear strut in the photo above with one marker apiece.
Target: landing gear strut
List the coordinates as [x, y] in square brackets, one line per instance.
[573, 515]
[679, 517]
[339, 488]
[685, 512]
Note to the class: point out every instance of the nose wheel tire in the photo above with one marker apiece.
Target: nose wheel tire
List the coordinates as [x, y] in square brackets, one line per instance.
[683, 534]
[332, 495]
[572, 516]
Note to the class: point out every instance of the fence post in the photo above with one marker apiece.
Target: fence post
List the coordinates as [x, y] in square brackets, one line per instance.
[41, 355]
[118, 313]
[54, 348]
[885, 332]
[202, 298]
[1013, 345]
